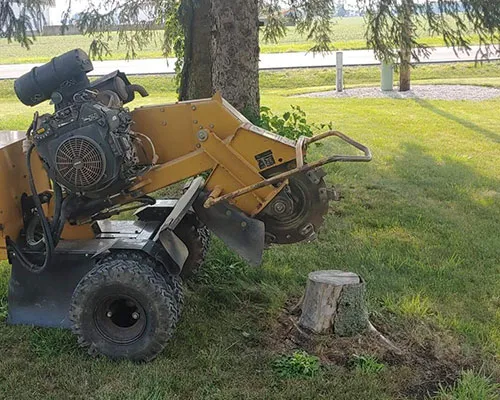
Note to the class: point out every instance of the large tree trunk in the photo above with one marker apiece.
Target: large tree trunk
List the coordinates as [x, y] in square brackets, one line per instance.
[222, 52]
[405, 71]
[407, 32]
[235, 53]
[196, 75]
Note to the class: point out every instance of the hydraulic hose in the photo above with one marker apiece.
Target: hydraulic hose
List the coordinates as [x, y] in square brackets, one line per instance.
[58, 225]
[47, 231]
[58, 197]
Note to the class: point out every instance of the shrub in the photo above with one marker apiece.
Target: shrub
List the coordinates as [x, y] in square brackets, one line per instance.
[299, 364]
[292, 124]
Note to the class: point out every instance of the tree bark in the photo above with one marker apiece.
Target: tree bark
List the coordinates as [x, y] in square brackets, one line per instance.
[222, 52]
[405, 50]
[196, 75]
[235, 53]
[405, 70]
[334, 302]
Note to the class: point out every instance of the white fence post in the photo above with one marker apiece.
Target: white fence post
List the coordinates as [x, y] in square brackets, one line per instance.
[340, 71]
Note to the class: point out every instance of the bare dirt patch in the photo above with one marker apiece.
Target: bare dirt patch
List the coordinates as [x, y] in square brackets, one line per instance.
[424, 92]
[431, 356]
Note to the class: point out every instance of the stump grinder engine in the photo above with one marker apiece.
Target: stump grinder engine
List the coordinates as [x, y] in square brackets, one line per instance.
[116, 283]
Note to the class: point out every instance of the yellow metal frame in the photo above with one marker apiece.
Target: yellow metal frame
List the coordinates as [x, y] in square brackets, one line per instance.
[189, 138]
[209, 135]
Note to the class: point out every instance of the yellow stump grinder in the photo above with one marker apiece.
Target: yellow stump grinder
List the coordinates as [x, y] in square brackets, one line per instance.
[117, 284]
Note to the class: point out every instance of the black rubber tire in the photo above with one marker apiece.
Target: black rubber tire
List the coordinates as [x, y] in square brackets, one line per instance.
[123, 279]
[196, 237]
[174, 281]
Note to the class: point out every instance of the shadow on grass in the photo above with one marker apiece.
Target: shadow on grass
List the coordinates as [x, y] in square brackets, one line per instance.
[464, 122]
[451, 212]
[450, 187]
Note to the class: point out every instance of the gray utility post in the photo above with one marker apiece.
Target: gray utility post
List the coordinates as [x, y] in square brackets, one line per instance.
[340, 71]
[386, 77]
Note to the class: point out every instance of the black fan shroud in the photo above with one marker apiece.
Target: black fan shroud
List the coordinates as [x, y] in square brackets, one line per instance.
[80, 162]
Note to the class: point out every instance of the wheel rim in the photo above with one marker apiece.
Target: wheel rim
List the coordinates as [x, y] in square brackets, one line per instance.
[120, 319]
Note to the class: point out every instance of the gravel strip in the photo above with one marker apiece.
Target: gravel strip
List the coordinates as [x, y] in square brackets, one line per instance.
[427, 92]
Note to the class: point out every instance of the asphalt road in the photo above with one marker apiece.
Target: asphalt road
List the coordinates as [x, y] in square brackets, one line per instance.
[267, 62]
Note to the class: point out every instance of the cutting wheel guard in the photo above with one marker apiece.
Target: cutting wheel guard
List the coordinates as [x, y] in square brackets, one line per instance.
[301, 167]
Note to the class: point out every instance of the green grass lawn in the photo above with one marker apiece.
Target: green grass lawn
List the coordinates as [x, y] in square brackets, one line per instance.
[347, 33]
[421, 224]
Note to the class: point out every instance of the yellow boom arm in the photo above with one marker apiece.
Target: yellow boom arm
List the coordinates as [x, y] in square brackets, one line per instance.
[197, 136]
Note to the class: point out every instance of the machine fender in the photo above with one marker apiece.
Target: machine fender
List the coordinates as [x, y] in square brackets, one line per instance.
[175, 247]
[165, 235]
[181, 208]
[157, 211]
[155, 250]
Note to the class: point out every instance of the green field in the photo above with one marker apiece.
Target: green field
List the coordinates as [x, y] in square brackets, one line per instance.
[420, 224]
[348, 34]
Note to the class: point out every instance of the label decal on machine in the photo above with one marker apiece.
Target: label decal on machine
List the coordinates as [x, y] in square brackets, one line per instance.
[265, 159]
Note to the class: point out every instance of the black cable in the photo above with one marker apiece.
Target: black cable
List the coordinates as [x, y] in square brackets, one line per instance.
[58, 198]
[47, 231]
[58, 226]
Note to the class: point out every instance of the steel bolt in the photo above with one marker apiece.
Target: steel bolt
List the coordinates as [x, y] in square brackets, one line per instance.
[306, 230]
[135, 315]
[202, 135]
[279, 207]
[109, 314]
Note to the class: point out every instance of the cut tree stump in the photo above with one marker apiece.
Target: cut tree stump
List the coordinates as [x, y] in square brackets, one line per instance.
[334, 302]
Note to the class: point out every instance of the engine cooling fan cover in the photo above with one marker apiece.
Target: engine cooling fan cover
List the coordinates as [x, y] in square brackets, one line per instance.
[80, 162]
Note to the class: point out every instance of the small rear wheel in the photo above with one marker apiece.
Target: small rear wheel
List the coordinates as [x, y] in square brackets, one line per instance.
[173, 281]
[123, 310]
